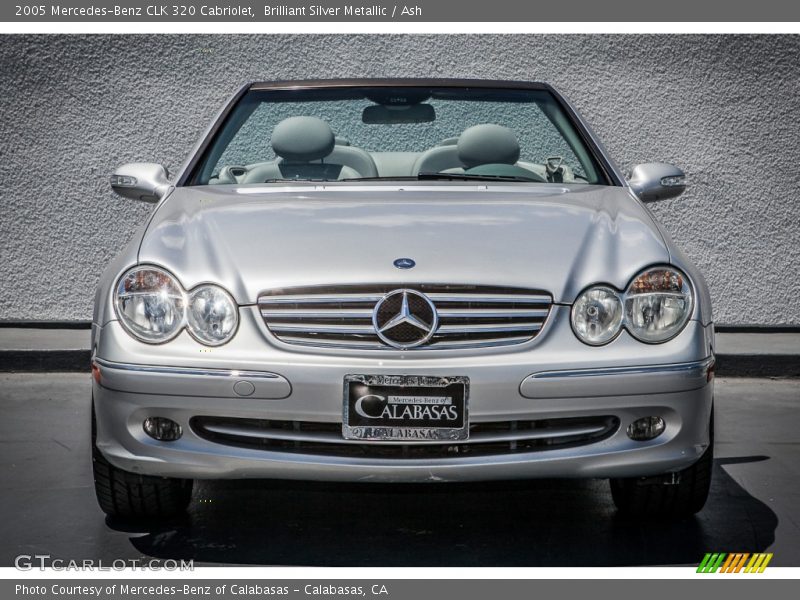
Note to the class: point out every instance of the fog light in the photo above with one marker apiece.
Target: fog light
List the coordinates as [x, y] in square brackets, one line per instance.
[162, 429]
[646, 428]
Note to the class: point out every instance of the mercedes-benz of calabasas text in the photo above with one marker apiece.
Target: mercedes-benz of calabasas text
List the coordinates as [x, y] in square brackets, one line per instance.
[401, 281]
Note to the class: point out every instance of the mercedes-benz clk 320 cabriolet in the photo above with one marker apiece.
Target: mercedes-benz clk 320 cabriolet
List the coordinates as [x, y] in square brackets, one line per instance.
[401, 281]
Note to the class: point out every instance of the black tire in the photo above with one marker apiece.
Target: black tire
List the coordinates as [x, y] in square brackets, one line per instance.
[131, 496]
[648, 496]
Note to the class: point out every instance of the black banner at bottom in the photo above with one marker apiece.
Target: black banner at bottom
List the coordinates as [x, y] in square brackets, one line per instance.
[392, 589]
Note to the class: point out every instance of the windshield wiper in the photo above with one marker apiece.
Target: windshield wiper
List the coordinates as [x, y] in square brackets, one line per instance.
[292, 180]
[473, 177]
[418, 177]
[447, 177]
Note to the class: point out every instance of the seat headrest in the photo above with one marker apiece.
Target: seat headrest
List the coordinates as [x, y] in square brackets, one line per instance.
[302, 139]
[488, 145]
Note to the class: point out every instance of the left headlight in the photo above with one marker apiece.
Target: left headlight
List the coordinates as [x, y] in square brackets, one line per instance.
[211, 315]
[150, 304]
[153, 307]
[658, 304]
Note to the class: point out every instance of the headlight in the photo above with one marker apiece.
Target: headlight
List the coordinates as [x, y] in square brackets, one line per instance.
[150, 304]
[153, 307]
[212, 315]
[658, 303]
[597, 315]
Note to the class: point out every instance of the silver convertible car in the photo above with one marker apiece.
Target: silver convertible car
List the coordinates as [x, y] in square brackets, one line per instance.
[401, 281]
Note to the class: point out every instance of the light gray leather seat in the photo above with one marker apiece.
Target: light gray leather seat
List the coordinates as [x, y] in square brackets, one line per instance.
[491, 146]
[487, 145]
[306, 149]
[437, 159]
[477, 145]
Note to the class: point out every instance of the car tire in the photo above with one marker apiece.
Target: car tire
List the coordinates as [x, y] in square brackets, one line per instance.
[131, 496]
[648, 496]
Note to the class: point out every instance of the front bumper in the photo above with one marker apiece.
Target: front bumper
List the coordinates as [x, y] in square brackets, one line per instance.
[557, 378]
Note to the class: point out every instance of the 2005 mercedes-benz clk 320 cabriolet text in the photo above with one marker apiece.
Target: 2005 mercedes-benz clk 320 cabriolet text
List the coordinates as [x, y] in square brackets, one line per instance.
[401, 281]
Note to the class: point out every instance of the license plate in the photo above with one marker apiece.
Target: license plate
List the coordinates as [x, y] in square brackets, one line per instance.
[405, 407]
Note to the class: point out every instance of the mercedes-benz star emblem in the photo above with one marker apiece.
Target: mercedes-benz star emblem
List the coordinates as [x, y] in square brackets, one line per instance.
[405, 319]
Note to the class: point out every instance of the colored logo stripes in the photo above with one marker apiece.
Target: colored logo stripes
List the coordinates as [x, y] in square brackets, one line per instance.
[735, 562]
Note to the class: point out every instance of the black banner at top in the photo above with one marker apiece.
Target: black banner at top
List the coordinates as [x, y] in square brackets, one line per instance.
[193, 11]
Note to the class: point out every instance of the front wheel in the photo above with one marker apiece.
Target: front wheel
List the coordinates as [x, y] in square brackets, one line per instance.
[132, 496]
[643, 496]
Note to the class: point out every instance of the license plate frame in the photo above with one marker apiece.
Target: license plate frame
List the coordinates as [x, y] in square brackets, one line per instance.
[439, 394]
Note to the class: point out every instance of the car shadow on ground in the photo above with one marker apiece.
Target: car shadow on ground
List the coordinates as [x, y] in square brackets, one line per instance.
[532, 523]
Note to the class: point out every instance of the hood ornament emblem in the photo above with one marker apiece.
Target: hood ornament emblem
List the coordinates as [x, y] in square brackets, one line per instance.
[404, 263]
[405, 319]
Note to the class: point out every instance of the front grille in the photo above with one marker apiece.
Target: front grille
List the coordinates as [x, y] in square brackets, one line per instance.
[486, 439]
[341, 316]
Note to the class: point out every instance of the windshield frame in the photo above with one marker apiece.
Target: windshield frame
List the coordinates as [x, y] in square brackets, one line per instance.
[192, 170]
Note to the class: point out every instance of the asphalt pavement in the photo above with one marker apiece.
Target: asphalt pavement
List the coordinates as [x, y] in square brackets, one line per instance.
[48, 506]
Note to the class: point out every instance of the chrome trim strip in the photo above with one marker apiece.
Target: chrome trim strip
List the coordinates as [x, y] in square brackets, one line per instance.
[196, 371]
[332, 438]
[698, 365]
[352, 344]
[485, 343]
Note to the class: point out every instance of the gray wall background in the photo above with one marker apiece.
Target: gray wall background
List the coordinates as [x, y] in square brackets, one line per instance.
[724, 108]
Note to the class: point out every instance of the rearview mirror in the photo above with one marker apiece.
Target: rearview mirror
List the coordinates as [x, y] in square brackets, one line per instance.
[379, 114]
[657, 181]
[141, 181]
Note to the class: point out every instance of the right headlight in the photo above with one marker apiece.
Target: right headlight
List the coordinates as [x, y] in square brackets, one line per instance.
[597, 315]
[212, 315]
[658, 303]
[655, 308]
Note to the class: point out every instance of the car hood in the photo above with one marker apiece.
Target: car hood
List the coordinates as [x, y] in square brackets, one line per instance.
[548, 237]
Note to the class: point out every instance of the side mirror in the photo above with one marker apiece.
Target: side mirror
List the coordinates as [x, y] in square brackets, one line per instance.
[657, 181]
[141, 181]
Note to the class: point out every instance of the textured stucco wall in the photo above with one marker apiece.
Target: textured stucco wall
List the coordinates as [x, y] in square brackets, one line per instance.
[726, 109]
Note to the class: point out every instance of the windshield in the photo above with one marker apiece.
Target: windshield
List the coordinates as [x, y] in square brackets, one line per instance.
[397, 133]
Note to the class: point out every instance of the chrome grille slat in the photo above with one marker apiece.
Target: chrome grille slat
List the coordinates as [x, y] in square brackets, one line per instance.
[488, 328]
[322, 313]
[316, 328]
[322, 298]
[495, 299]
[482, 313]
[341, 316]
